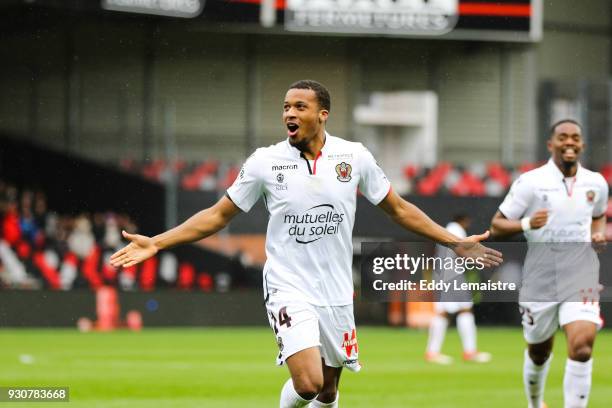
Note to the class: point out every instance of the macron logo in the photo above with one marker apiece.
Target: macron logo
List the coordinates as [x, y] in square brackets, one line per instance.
[285, 167]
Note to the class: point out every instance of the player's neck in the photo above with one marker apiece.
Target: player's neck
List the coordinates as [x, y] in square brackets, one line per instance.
[312, 149]
[567, 170]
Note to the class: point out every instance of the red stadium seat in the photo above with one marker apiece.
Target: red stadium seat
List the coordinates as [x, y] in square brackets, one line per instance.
[186, 276]
[228, 179]
[468, 185]
[606, 172]
[90, 268]
[205, 282]
[50, 274]
[154, 170]
[525, 167]
[497, 172]
[194, 180]
[431, 183]
[148, 274]
[410, 171]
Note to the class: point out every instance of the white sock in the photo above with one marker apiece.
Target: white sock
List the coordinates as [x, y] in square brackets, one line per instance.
[534, 379]
[291, 399]
[577, 383]
[316, 404]
[437, 330]
[466, 325]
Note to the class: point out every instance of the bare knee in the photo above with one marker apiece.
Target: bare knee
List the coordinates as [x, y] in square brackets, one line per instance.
[581, 351]
[539, 358]
[540, 353]
[580, 338]
[308, 386]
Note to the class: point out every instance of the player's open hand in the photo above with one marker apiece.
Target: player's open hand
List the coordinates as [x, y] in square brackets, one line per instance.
[539, 219]
[139, 249]
[471, 248]
[598, 240]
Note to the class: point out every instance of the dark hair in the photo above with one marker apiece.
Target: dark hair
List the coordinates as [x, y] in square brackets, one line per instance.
[551, 131]
[461, 217]
[320, 91]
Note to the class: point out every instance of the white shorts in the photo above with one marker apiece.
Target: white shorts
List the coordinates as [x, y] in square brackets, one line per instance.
[452, 307]
[299, 325]
[542, 319]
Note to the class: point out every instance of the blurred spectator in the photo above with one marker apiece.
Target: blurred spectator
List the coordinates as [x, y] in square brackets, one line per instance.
[40, 209]
[11, 230]
[112, 235]
[81, 241]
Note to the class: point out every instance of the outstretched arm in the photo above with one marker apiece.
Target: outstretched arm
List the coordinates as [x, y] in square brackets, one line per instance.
[412, 218]
[199, 226]
[502, 226]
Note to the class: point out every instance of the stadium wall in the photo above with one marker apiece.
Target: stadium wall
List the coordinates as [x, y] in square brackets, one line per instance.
[173, 308]
[159, 308]
[73, 185]
[576, 43]
[100, 87]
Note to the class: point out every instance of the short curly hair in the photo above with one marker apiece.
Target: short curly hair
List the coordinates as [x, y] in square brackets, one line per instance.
[553, 127]
[320, 91]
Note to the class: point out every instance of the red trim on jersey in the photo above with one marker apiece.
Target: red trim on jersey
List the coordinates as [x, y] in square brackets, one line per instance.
[502, 10]
[314, 168]
[570, 190]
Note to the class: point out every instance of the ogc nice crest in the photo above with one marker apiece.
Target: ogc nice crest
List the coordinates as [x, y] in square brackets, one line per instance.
[344, 172]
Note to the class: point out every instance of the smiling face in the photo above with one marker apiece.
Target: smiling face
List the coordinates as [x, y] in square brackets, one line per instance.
[566, 144]
[303, 116]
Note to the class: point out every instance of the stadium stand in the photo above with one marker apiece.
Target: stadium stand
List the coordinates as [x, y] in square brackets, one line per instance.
[490, 179]
[40, 248]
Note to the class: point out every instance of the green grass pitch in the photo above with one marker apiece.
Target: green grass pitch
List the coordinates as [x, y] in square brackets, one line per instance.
[213, 367]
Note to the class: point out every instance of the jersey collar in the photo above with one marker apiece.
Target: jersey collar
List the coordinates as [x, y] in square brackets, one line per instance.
[558, 174]
[296, 152]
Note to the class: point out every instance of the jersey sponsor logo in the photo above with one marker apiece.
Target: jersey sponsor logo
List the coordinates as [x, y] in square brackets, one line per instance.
[284, 167]
[281, 186]
[315, 223]
[339, 156]
[350, 343]
[562, 235]
[344, 172]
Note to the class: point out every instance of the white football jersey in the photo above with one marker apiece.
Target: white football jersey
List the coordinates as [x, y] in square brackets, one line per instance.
[456, 229]
[311, 207]
[572, 203]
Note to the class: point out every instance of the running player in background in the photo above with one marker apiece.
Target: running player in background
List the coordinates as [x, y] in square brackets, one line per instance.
[309, 184]
[558, 203]
[459, 303]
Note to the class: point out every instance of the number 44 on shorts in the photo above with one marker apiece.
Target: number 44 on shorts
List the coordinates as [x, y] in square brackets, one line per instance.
[283, 319]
